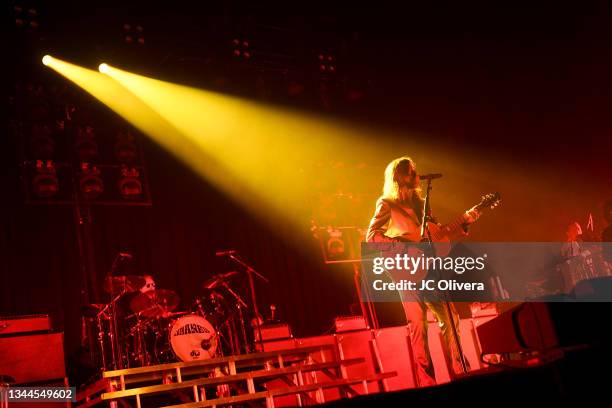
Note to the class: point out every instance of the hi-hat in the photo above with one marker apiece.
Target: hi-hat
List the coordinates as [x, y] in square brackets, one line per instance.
[217, 279]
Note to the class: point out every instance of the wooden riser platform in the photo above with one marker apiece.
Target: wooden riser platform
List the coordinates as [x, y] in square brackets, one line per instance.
[233, 379]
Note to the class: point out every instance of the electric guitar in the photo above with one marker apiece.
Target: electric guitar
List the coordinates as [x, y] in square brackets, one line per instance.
[441, 236]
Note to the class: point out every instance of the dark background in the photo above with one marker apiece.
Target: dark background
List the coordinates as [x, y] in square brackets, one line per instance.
[524, 84]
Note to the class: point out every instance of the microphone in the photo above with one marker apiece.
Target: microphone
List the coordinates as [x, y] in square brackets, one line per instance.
[430, 176]
[272, 312]
[225, 253]
[125, 255]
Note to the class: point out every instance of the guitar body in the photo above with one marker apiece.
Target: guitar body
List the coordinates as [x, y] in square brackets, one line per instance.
[441, 239]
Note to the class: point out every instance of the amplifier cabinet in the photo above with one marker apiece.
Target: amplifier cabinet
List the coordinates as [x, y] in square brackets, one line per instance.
[23, 324]
[31, 358]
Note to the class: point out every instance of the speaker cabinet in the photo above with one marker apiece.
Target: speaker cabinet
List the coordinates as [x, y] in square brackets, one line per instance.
[393, 348]
[24, 324]
[33, 358]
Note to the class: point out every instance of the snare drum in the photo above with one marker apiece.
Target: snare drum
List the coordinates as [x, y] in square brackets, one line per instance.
[192, 337]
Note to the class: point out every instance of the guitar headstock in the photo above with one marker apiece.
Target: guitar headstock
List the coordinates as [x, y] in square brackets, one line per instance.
[490, 201]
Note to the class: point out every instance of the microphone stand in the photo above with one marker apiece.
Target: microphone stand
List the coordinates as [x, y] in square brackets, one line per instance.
[250, 272]
[426, 237]
[241, 305]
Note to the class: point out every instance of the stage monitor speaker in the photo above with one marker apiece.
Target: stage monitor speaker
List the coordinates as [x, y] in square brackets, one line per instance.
[33, 358]
[527, 327]
[271, 332]
[538, 326]
[393, 348]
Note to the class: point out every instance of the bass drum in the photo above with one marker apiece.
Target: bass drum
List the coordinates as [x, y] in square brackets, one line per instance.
[192, 338]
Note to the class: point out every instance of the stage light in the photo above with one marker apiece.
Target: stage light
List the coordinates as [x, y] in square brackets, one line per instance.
[133, 33]
[25, 18]
[46, 60]
[130, 186]
[335, 244]
[125, 147]
[325, 63]
[90, 182]
[85, 144]
[103, 68]
[45, 183]
[241, 49]
[42, 145]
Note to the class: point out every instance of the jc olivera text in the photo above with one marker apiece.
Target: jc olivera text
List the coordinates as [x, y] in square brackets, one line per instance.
[427, 285]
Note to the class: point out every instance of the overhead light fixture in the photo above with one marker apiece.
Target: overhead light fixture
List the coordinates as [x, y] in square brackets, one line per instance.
[90, 182]
[133, 34]
[335, 244]
[42, 145]
[126, 150]
[130, 186]
[326, 63]
[85, 144]
[45, 183]
[241, 49]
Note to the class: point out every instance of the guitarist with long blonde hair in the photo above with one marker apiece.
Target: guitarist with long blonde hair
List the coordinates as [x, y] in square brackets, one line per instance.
[398, 217]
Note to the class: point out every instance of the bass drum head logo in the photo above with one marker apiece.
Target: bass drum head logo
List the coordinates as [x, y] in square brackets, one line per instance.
[192, 337]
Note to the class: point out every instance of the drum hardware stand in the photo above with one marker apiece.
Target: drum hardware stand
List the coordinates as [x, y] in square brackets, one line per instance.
[111, 308]
[113, 333]
[140, 350]
[240, 305]
[426, 238]
[250, 272]
[101, 340]
[232, 336]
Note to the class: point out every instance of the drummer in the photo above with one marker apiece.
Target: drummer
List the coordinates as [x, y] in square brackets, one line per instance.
[149, 284]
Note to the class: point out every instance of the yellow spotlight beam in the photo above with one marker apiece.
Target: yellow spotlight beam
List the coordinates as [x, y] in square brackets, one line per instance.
[127, 105]
[266, 148]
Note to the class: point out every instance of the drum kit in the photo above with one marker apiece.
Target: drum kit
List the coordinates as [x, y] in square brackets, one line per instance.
[140, 327]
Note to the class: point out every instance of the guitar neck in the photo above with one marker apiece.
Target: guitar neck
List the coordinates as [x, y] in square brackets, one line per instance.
[490, 200]
[449, 229]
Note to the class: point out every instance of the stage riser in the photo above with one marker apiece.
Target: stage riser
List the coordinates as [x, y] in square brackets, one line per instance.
[384, 350]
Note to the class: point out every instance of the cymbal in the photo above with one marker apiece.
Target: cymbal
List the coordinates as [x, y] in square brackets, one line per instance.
[127, 283]
[218, 278]
[92, 309]
[155, 302]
